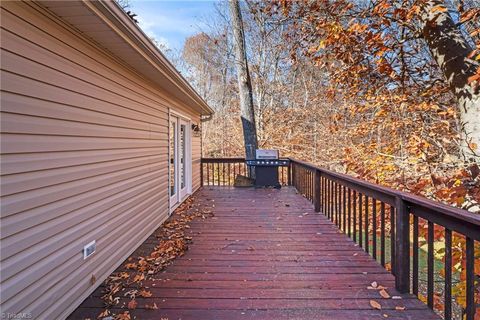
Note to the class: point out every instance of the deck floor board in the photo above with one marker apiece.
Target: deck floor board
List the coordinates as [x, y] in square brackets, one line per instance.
[266, 255]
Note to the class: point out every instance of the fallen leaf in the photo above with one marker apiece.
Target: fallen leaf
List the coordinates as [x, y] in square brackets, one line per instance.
[151, 307]
[139, 277]
[400, 308]
[375, 305]
[384, 294]
[132, 304]
[105, 313]
[144, 293]
[131, 266]
[123, 316]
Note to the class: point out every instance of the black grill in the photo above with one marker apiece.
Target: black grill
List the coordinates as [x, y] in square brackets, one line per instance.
[266, 171]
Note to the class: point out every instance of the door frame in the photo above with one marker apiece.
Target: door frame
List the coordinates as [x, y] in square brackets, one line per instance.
[179, 117]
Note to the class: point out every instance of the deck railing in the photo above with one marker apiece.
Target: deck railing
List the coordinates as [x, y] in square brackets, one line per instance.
[223, 171]
[386, 223]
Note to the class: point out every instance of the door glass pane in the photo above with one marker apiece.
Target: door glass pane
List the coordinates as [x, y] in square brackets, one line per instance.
[173, 178]
[182, 156]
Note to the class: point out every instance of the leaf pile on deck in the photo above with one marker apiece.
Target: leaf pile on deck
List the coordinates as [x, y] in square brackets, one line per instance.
[172, 243]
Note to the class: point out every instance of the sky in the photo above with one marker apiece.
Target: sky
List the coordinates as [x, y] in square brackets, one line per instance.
[170, 22]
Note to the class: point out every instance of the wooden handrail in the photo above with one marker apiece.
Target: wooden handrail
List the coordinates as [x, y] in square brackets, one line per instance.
[424, 206]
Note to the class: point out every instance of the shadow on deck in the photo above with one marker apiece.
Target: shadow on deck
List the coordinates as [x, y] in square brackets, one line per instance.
[266, 254]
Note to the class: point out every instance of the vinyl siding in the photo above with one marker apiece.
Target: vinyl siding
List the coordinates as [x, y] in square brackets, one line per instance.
[84, 147]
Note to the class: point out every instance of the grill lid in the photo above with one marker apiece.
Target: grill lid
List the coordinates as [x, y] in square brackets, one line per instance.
[266, 154]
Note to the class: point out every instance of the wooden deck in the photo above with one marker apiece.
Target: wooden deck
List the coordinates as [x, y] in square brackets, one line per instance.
[267, 255]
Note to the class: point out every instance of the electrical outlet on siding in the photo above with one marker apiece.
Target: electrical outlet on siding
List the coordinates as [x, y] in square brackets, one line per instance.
[89, 249]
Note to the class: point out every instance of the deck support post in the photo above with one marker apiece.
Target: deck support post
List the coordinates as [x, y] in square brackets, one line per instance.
[402, 247]
[316, 194]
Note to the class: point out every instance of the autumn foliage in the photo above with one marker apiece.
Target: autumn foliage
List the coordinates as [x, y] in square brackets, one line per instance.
[351, 86]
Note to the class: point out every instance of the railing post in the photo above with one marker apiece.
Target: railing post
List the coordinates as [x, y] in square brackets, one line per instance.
[316, 194]
[402, 247]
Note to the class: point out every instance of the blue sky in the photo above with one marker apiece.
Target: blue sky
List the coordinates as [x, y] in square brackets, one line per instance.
[171, 22]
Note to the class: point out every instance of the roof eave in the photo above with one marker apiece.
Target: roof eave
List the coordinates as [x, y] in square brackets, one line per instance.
[153, 64]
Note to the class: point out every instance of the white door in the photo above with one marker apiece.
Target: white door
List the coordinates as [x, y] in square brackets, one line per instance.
[183, 158]
[172, 162]
[179, 159]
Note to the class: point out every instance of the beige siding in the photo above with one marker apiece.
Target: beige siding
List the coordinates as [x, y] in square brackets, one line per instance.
[84, 157]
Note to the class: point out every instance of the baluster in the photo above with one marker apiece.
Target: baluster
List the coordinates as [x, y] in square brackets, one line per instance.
[374, 228]
[470, 257]
[349, 213]
[367, 223]
[234, 172]
[355, 215]
[307, 172]
[321, 191]
[415, 256]
[337, 204]
[392, 239]
[382, 233]
[331, 201]
[448, 274]
[360, 233]
[344, 204]
[430, 266]
[324, 188]
[208, 173]
[317, 195]
[289, 173]
[308, 185]
[229, 176]
[223, 173]
[402, 247]
[313, 184]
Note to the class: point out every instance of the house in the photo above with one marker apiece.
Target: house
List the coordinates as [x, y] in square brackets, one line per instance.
[100, 142]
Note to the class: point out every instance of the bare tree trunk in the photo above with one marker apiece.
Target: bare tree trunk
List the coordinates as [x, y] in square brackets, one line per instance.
[244, 83]
[450, 50]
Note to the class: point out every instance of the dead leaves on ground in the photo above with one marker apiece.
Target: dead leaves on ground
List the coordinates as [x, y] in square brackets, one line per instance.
[375, 305]
[172, 243]
[132, 304]
[384, 294]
